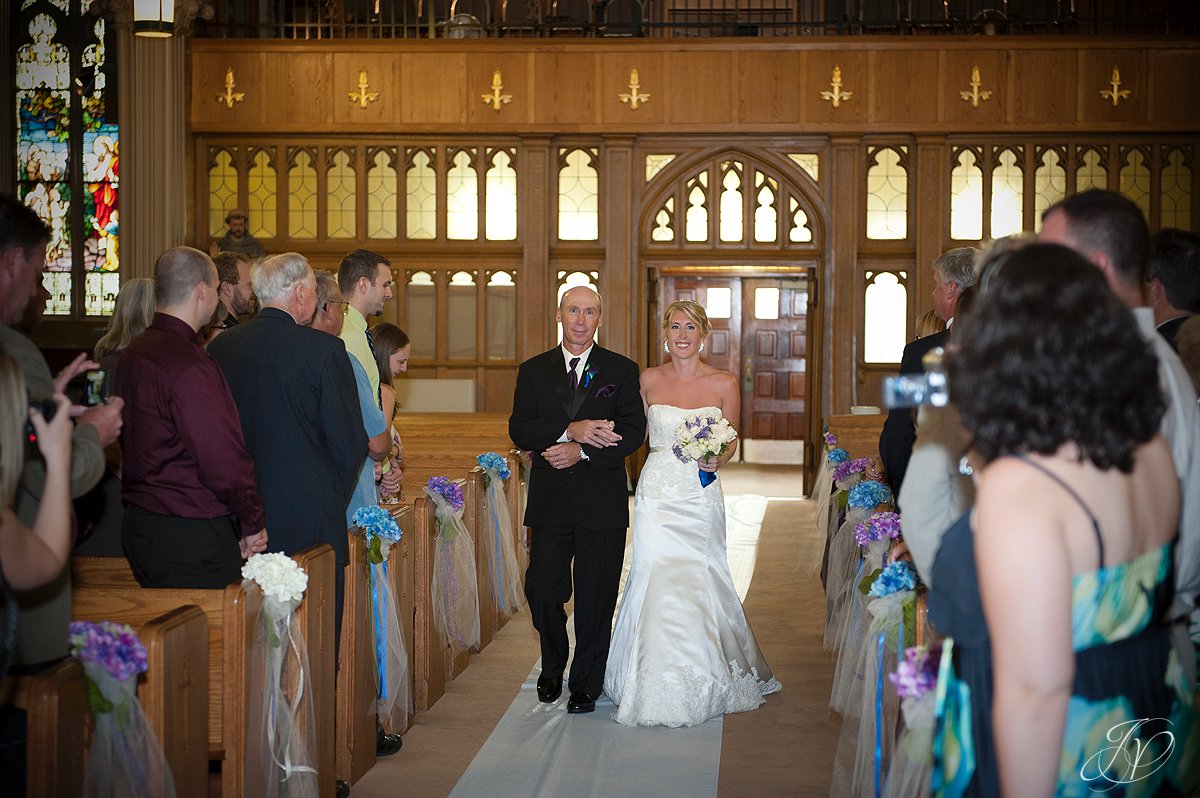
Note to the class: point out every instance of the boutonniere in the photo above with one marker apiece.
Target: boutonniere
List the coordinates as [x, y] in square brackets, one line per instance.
[589, 374]
[606, 391]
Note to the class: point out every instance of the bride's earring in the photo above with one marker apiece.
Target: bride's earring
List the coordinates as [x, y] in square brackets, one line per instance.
[701, 346]
[666, 347]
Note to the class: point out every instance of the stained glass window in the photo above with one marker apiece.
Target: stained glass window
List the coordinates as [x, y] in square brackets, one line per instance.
[966, 197]
[340, 214]
[1135, 177]
[1007, 194]
[421, 189]
[731, 201]
[696, 218]
[766, 220]
[462, 197]
[578, 196]
[302, 193]
[500, 210]
[1176, 191]
[887, 194]
[381, 195]
[68, 150]
[1049, 184]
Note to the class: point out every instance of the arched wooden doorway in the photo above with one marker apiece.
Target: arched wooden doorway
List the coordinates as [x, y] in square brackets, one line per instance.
[742, 231]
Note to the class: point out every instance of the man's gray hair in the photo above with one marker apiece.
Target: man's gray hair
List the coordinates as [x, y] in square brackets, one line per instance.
[276, 275]
[327, 289]
[957, 266]
[178, 271]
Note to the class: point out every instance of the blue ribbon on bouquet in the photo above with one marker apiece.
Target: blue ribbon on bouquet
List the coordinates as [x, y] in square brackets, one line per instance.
[380, 638]
[706, 477]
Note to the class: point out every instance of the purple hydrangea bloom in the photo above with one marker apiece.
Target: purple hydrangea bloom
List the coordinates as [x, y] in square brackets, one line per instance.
[830, 439]
[877, 527]
[916, 674]
[114, 646]
[856, 466]
[448, 490]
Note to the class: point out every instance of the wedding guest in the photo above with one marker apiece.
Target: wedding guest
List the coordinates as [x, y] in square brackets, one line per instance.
[928, 323]
[366, 283]
[238, 239]
[32, 556]
[392, 350]
[1110, 231]
[236, 290]
[1173, 280]
[682, 650]
[1188, 341]
[953, 271]
[576, 408]
[132, 313]
[1054, 588]
[192, 507]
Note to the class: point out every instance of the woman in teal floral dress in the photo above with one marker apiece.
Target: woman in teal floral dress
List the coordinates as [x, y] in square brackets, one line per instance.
[1062, 678]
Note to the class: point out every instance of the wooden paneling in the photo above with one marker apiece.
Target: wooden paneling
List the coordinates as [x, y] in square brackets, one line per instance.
[1175, 86]
[856, 81]
[566, 89]
[292, 89]
[251, 81]
[614, 81]
[900, 83]
[432, 88]
[1095, 76]
[767, 87]
[1042, 86]
[515, 75]
[701, 84]
[382, 82]
[956, 77]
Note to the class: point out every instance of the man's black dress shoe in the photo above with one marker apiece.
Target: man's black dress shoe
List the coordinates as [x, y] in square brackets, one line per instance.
[549, 688]
[388, 744]
[343, 789]
[580, 702]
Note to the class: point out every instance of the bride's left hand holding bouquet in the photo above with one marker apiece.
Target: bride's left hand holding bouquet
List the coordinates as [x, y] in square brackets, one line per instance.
[703, 436]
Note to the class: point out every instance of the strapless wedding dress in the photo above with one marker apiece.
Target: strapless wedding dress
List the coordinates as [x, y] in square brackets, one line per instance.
[682, 651]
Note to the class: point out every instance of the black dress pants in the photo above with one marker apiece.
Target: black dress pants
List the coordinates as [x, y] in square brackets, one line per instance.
[165, 551]
[597, 558]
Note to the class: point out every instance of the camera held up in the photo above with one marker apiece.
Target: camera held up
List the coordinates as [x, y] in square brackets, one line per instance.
[912, 390]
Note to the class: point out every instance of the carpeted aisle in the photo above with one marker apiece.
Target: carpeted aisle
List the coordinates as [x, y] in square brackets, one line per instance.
[784, 748]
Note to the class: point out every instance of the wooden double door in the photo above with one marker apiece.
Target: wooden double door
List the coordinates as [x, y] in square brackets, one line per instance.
[760, 333]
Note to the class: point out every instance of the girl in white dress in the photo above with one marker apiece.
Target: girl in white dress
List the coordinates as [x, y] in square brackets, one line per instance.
[682, 651]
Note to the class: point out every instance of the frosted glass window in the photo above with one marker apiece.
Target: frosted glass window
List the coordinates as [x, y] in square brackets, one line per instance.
[718, 302]
[302, 195]
[222, 190]
[567, 281]
[664, 222]
[420, 309]
[578, 196]
[808, 161]
[766, 220]
[421, 194]
[1007, 195]
[731, 201]
[887, 195]
[382, 190]
[461, 316]
[500, 209]
[100, 293]
[1091, 172]
[501, 313]
[261, 207]
[886, 312]
[696, 226]
[655, 164]
[340, 195]
[462, 198]
[800, 233]
[766, 303]
[1176, 192]
[58, 285]
[1135, 179]
[1049, 185]
[966, 198]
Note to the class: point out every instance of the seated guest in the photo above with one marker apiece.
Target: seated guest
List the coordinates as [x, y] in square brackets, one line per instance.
[392, 350]
[31, 558]
[1173, 280]
[1055, 588]
[192, 507]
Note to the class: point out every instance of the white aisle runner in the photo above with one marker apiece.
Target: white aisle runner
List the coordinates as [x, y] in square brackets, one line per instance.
[538, 750]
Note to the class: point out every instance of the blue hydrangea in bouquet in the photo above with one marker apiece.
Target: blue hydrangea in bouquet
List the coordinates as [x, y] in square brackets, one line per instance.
[490, 462]
[869, 494]
[837, 456]
[381, 530]
[896, 577]
[701, 435]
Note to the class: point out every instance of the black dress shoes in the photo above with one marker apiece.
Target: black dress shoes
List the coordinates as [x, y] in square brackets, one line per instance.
[549, 688]
[343, 789]
[387, 744]
[580, 702]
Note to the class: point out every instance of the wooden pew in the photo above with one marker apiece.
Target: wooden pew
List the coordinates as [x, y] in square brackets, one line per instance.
[104, 588]
[858, 435]
[57, 705]
[356, 687]
[475, 521]
[447, 443]
[400, 569]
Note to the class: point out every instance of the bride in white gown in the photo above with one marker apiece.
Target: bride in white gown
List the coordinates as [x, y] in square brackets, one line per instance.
[682, 651]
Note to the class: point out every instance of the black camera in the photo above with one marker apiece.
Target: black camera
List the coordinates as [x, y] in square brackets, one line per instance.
[912, 390]
[47, 408]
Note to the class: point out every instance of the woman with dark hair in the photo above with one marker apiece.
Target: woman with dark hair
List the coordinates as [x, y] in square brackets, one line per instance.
[1060, 677]
[391, 348]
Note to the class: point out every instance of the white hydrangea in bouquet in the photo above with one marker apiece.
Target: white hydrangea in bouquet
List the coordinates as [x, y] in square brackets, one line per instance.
[703, 434]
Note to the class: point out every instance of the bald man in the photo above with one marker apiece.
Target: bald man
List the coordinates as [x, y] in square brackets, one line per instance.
[578, 409]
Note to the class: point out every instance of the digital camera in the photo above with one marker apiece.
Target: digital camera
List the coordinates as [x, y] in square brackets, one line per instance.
[912, 390]
[47, 408]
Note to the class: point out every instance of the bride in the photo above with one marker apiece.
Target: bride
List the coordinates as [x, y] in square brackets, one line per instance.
[682, 651]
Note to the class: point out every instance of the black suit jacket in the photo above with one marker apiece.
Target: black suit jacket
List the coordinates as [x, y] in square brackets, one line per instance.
[592, 493]
[295, 392]
[1169, 328]
[899, 429]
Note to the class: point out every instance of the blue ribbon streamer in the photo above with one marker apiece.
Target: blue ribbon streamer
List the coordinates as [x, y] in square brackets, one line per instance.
[497, 587]
[380, 640]
[706, 477]
[879, 712]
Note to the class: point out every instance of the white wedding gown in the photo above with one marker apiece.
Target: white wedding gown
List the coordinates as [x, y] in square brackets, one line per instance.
[682, 651]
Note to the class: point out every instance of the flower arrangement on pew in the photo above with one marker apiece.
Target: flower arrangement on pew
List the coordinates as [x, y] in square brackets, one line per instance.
[453, 589]
[391, 657]
[125, 757]
[915, 680]
[504, 576]
[280, 702]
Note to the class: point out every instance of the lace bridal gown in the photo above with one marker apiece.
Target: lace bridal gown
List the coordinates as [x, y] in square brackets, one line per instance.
[682, 651]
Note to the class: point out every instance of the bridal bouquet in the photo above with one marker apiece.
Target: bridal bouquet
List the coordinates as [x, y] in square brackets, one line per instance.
[702, 435]
[125, 757]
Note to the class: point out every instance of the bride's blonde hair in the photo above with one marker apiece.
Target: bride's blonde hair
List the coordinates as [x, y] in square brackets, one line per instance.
[693, 310]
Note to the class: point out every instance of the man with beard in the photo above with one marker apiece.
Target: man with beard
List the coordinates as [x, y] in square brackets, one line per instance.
[238, 239]
[235, 289]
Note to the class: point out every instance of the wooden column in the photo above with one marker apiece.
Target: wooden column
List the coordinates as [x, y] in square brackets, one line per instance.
[622, 317]
[152, 81]
[841, 302]
[930, 182]
[535, 286]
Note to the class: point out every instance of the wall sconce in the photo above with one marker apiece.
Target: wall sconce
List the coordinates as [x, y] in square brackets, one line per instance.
[154, 18]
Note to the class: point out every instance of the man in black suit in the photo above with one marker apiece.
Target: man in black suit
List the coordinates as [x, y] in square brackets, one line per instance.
[295, 395]
[578, 409]
[953, 272]
[1173, 280]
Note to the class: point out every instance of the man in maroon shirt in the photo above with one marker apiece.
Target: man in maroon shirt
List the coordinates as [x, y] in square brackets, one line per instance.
[193, 510]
